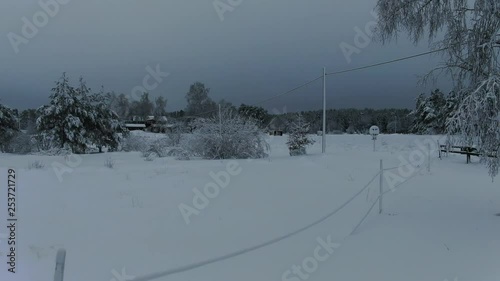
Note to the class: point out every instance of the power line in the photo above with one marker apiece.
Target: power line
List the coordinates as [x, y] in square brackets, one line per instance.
[334, 73]
[350, 70]
[288, 92]
[386, 62]
[268, 99]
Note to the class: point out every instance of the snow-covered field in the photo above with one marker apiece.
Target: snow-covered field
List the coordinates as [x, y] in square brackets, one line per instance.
[435, 226]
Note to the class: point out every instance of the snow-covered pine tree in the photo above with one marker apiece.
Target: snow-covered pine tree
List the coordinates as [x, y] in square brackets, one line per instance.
[8, 127]
[106, 130]
[436, 114]
[418, 115]
[298, 138]
[66, 116]
[430, 113]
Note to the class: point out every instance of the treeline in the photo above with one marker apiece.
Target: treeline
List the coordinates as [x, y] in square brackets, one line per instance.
[351, 121]
[79, 118]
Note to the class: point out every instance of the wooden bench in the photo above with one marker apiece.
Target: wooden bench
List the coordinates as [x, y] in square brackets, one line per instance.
[467, 150]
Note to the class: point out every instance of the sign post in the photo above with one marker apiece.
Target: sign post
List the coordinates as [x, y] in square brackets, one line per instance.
[374, 132]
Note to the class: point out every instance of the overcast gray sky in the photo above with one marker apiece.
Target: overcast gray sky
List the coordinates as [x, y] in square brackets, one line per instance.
[259, 49]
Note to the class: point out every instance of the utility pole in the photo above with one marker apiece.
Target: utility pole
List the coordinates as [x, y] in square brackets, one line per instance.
[323, 135]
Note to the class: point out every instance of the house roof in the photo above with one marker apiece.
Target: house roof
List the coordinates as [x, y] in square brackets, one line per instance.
[135, 125]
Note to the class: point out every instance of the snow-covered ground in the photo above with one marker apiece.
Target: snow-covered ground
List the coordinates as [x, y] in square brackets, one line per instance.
[435, 226]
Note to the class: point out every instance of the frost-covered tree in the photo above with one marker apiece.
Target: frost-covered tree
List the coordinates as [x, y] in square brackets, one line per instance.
[298, 139]
[111, 97]
[76, 118]
[431, 113]
[434, 115]
[451, 107]
[118, 103]
[144, 107]
[437, 102]
[64, 118]
[470, 47]
[198, 101]
[226, 105]
[8, 127]
[121, 106]
[255, 112]
[419, 126]
[228, 137]
[105, 128]
[160, 107]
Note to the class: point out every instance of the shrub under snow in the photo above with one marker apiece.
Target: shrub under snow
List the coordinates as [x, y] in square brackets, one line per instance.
[38, 165]
[159, 147]
[149, 145]
[228, 137]
[135, 143]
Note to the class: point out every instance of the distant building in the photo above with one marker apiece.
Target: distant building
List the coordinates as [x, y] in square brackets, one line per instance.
[151, 123]
[276, 126]
[275, 133]
[135, 126]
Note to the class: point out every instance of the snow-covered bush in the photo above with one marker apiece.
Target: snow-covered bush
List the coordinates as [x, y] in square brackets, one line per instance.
[179, 153]
[135, 143]
[147, 145]
[160, 147]
[151, 156]
[298, 138]
[175, 135]
[38, 165]
[228, 137]
[44, 142]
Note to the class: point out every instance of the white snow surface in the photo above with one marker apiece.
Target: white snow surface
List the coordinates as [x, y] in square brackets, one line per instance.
[437, 226]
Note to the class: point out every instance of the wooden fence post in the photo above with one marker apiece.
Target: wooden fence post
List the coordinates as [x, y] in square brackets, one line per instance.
[60, 261]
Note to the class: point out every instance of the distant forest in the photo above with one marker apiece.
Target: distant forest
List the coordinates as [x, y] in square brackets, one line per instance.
[428, 117]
